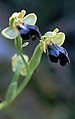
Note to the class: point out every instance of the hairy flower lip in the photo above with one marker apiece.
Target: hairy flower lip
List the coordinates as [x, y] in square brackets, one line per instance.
[28, 31]
[57, 53]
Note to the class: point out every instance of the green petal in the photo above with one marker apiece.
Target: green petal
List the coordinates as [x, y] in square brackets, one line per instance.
[30, 19]
[22, 14]
[25, 44]
[10, 33]
[59, 38]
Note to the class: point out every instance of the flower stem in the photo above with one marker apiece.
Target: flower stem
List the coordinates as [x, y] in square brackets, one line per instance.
[18, 45]
[24, 61]
[34, 62]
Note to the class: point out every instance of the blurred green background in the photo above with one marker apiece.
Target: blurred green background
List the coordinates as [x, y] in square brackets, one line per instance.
[51, 91]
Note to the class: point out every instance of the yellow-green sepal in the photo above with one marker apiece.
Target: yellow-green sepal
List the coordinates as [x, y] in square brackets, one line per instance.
[59, 38]
[30, 19]
[10, 33]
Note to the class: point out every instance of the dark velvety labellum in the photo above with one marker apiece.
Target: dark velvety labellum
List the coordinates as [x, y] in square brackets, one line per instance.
[53, 58]
[56, 53]
[29, 31]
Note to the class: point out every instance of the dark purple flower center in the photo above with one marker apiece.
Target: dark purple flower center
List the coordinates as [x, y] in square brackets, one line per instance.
[29, 31]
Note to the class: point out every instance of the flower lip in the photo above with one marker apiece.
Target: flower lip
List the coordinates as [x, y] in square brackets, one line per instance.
[28, 31]
[56, 53]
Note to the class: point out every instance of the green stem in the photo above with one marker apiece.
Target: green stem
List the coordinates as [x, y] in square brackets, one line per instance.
[24, 61]
[15, 77]
[34, 62]
[18, 45]
[23, 84]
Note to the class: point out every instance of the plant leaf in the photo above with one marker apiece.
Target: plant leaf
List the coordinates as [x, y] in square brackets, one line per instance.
[59, 38]
[11, 92]
[10, 33]
[35, 59]
[30, 19]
